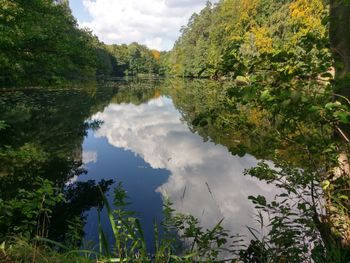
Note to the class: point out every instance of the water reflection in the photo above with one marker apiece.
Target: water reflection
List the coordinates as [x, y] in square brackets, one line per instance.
[205, 179]
[89, 157]
[138, 138]
[44, 138]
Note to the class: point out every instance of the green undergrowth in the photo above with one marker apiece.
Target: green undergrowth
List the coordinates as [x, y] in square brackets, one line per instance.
[292, 235]
[178, 238]
[20, 250]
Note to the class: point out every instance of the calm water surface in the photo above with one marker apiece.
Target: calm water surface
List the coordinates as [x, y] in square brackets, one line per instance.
[143, 141]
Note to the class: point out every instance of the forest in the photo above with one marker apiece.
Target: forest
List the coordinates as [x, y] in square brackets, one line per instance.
[260, 77]
[41, 44]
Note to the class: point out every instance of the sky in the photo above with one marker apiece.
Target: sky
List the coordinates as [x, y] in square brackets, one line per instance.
[154, 23]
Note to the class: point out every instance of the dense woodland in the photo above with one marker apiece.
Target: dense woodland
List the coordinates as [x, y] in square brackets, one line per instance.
[40, 43]
[280, 72]
[253, 37]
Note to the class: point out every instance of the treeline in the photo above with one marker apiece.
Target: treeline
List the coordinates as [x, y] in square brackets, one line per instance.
[40, 43]
[134, 59]
[239, 38]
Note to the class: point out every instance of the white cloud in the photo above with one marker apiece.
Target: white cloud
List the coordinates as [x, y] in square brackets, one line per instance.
[155, 23]
[89, 157]
[155, 132]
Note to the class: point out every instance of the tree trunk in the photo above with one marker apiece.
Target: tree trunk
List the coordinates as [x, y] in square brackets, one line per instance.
[339, 34]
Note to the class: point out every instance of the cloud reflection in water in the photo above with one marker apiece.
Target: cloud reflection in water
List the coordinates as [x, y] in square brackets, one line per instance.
[155, 132]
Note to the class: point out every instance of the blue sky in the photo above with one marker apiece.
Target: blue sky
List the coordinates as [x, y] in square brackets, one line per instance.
[155, 23]
[79, 11]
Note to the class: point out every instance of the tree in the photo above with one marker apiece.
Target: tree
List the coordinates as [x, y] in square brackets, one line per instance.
[340, 43]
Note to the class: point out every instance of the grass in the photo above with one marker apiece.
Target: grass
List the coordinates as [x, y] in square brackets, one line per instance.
[183, 240]
[21, 251]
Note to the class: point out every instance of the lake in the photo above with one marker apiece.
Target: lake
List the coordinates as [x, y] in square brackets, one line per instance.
[150, 136]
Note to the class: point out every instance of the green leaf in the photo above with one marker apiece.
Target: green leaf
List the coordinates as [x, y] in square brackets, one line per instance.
[342, 116]
[2, 246]
[344, 197]
[325, 184]
[331, 105]
[192, 255]
[266, 96]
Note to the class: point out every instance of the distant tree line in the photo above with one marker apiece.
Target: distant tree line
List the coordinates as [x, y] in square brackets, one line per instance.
[133, 59]
[40, 43]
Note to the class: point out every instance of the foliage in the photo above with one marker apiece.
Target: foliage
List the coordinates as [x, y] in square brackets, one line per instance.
[3, 125]
[199, 245]
[213, 109]
[298, 136]
[203, 245]
[134, 59]
[293, 216]
[278, 56]
[19, 250]
[240, 38]
[281, 98]
[29, 213]
[41, 44]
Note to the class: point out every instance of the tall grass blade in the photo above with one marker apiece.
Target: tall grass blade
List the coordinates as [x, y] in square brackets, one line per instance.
[46, 240]
[111, 218]
[156, 236]
[142, 237]
[103, 243]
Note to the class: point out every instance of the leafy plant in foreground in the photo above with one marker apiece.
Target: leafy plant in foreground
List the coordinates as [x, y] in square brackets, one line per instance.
[29, 213]
[298, 230]
[197, 245]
